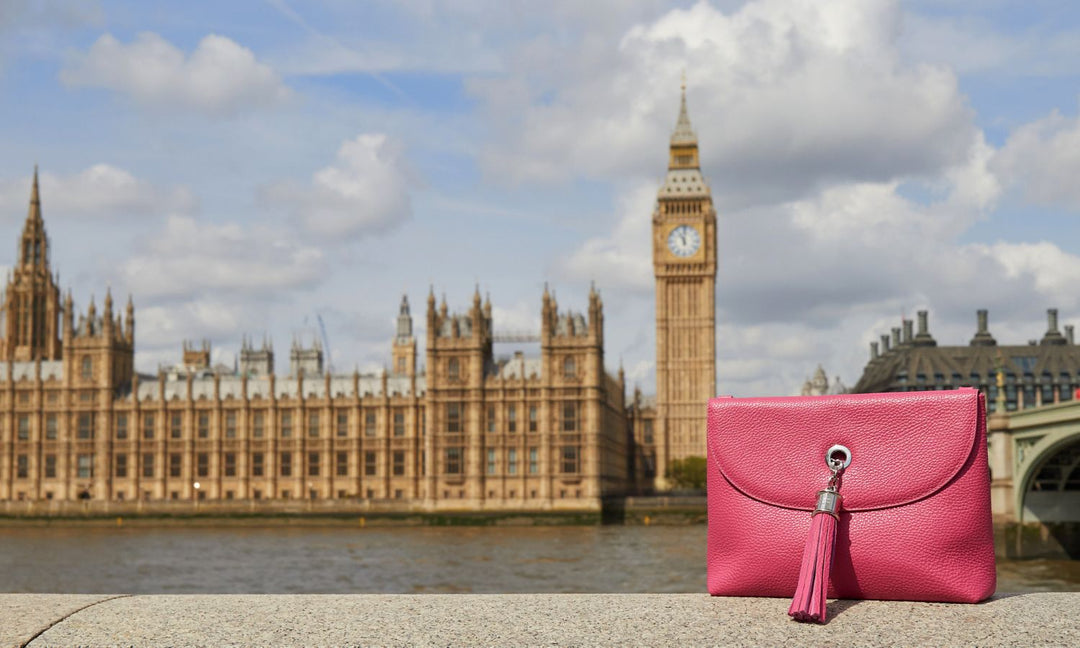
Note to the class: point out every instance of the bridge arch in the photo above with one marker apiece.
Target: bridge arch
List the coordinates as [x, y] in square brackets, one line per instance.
[1048, 477]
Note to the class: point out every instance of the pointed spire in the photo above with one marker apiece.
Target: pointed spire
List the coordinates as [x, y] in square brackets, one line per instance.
[35, 199]
[684, 132]
[108, 301]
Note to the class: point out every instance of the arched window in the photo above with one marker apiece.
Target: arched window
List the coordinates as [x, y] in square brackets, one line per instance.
[453, 368]
[87, 368]
[569, 367]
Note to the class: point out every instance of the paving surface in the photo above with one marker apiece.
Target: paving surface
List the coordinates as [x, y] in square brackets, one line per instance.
[23, 616]
[1044, 619]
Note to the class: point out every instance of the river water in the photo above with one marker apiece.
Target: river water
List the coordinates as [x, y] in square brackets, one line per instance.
[173, 560]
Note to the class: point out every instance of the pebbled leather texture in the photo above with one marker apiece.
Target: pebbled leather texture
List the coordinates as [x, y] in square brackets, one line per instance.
[915, 520]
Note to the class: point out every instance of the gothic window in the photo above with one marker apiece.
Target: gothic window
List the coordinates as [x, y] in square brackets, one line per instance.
[532, 418]
[370, 464]
[286, 425]
[399, 423]
[342, 464]
[23, 466]
[453, 418]
[453, 461]
[50, 427]
[174, 464]
[569, 459]
[569, 416]
[399, 463]
[569, 368]
[230, 425]
[491, 418]
[343, 423]
[491, 465]
[87, 371]
[84, 466]
[121, 465]
[24, 427]
[257, 464]
[258, 424]
[121, 426]
[369, 423]
[202, 464]
[50, 466]
[175, 429]
[286, 464]
[511, 461]
[204, 425]
[86, 426]
[453, 368]
[230, 464]
[534, 461]
[148, 426]
[313, 424]
[148, 465]
[511, 418]
[313, 464]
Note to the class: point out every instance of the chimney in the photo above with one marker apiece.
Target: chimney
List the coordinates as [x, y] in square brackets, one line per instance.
[982, 330]
[923, 337]
[873, 351]
[1069, 333]
[884, 343]
[907, 331]
[896, 337]
[1053, 335]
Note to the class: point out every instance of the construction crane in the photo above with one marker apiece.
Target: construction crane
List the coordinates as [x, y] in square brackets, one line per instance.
[325, 343]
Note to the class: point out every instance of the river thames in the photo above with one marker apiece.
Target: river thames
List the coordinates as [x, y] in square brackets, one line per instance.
[172, 560]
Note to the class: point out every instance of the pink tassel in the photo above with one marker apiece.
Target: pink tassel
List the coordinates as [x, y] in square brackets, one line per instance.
[809, 601]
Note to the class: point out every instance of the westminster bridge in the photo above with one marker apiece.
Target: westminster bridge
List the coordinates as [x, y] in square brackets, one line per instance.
[1035, 477]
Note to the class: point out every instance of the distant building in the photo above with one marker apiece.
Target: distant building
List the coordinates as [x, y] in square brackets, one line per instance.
[1040, 372]
[472, 432]
[818, 385]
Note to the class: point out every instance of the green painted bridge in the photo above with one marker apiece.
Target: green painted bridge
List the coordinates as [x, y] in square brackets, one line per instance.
[1035, 464]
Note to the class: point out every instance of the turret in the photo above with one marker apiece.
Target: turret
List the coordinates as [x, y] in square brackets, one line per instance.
[129, 322]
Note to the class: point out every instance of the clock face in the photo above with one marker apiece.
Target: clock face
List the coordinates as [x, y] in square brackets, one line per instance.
[684, 241]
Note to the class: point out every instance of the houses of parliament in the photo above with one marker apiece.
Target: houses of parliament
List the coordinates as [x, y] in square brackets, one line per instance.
[461, 430]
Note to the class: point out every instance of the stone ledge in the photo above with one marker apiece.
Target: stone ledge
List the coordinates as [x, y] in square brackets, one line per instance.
[524, 619]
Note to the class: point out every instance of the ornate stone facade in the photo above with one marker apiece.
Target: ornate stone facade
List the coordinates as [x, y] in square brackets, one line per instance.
[472, 432]
[684, 264]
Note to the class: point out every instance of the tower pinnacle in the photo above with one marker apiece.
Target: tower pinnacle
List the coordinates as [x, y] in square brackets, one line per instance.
[684, 132]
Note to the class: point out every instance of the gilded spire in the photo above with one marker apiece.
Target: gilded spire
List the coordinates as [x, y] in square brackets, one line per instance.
[684, 132]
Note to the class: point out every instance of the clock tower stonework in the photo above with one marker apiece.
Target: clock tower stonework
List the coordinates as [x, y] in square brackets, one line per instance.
[684, 263]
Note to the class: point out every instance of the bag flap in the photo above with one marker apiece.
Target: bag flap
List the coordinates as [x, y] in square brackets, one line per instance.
[904, 445]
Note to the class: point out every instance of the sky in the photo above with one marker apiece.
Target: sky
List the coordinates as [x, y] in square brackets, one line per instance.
[249, 168]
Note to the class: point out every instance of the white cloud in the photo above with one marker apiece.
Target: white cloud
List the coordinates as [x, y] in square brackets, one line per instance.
[220, 77]
[366, 192]
[99, 190]
[785, 96]
[189, 258]
[623, 259]
[1042, 158]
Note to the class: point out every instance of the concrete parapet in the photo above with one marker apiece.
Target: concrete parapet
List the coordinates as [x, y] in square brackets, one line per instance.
[524, 619]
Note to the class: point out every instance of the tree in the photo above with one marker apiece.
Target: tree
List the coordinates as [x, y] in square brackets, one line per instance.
[687, 474]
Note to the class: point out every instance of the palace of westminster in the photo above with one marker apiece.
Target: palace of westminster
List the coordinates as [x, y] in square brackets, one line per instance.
[464, 431]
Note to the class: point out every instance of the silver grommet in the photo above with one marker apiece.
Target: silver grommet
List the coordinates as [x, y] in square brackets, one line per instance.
[841, 450]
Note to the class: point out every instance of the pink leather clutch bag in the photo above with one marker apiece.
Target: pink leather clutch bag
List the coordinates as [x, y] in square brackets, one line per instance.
[859, 496]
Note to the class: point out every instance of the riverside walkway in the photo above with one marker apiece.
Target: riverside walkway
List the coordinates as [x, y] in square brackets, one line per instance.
[1043, 619]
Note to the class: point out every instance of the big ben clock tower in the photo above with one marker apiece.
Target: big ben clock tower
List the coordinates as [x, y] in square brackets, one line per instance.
[684, 261]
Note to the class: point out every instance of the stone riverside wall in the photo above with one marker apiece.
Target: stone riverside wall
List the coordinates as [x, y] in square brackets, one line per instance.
[1044, 619]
